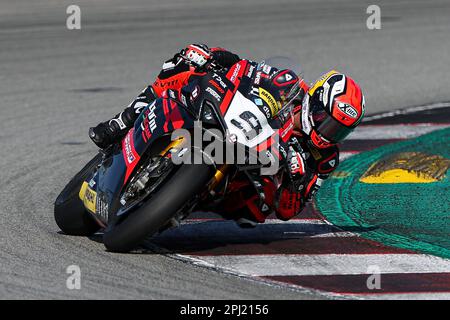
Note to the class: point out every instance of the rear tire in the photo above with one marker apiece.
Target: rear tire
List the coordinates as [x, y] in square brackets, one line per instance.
[70, 214]
[159, 209]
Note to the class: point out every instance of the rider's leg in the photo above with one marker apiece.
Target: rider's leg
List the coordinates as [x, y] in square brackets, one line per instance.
[113, 130]
[172, 76]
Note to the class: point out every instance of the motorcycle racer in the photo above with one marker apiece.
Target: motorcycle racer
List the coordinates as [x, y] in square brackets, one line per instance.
[176, 72]
[325, 114]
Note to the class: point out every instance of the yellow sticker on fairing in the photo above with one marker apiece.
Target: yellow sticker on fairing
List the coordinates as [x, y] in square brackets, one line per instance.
[270, 100]
[89, 197]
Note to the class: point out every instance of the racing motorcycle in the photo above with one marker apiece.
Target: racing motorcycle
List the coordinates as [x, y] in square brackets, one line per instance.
[135, 188]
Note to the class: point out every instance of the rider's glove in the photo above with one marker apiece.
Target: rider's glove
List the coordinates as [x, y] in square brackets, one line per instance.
[200, 56]
[290, 197]
[297, 165]
[290, 203]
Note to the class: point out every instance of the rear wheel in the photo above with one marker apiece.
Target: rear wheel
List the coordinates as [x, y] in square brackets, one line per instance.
[148, 219]
[70, 214]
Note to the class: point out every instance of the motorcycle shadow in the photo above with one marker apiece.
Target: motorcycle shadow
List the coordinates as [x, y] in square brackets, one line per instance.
[217, 236]
[225, 236]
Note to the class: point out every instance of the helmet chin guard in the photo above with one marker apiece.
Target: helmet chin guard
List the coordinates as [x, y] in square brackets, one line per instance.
[307, 127]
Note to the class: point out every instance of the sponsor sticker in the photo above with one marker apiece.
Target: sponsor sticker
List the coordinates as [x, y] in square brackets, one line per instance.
[219, 80]
[195, 93]
[172, 94]
[258, 78]
[215, 85]
[235, 72]
[183, 100]
[348, 109]
[267, 111]
[213, 93]
[258, 102]
[250, 70]
[129, 150]
[102, 207]
[266, 69]
[92, 183]
[270, 100]
[287, 130]
[88, 196]
[149, 125]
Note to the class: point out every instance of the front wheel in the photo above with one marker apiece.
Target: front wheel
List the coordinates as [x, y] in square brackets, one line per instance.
[159, 209]
[70, 214]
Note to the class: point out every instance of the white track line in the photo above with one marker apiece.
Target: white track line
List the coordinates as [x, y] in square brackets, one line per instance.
[332, 264]
[404, 296]
[202, 263]
[346, 154]
[407, 111]
[399, 131]
[268, 222]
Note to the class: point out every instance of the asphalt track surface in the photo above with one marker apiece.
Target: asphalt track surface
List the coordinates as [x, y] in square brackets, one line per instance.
[55, 83]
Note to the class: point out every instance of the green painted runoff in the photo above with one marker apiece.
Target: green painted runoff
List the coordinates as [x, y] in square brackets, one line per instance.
[414, 216]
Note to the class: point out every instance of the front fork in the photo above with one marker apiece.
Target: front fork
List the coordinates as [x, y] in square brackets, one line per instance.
[220, 174]
[180, 144]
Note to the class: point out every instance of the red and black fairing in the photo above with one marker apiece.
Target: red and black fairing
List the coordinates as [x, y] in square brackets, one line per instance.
[177, 109]
[157, 120]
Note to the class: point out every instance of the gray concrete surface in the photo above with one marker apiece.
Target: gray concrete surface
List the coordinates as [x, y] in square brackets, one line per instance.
[55, 83]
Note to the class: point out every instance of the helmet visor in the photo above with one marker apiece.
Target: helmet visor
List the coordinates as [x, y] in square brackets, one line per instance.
[327, 126]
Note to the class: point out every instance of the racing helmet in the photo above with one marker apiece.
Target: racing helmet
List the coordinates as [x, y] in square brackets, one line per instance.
[332, 109]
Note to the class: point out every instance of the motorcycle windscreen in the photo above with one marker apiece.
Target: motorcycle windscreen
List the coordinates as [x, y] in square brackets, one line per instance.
[282, 63]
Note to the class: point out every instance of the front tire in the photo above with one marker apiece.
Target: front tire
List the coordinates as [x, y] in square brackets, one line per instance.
[159, 209]
[70, 214]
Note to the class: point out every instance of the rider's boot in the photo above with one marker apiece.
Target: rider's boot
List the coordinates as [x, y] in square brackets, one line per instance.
[113, 130]
[251, 215]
